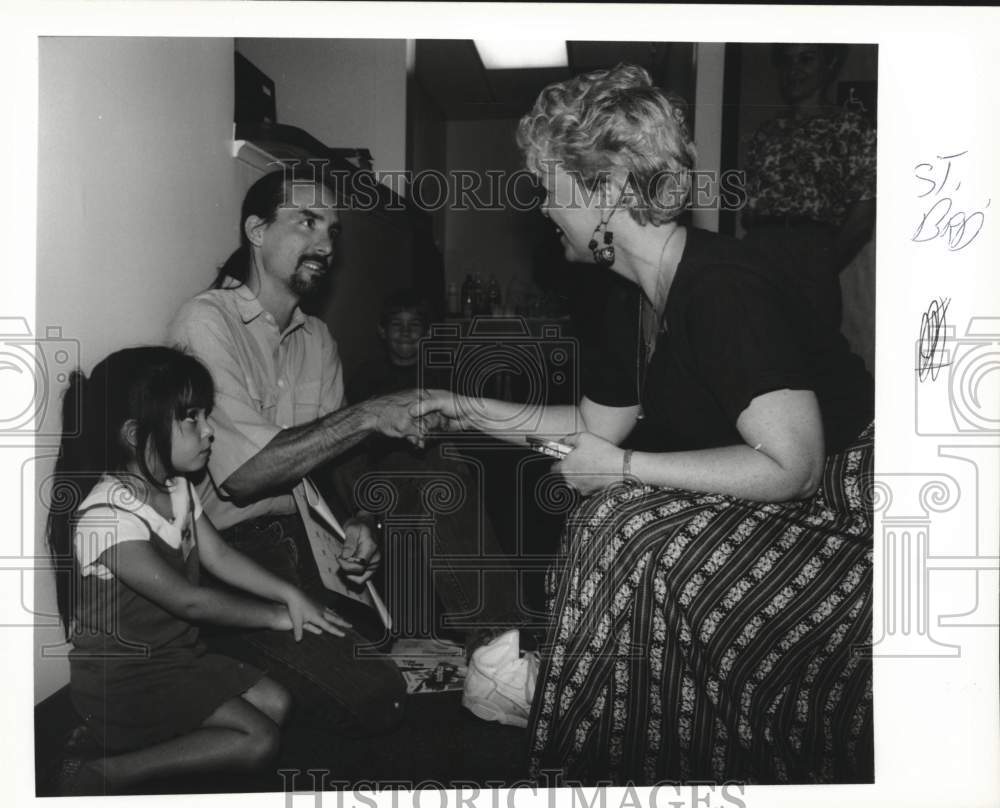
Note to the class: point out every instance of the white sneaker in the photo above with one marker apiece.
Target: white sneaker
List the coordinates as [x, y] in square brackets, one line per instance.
[500, 682]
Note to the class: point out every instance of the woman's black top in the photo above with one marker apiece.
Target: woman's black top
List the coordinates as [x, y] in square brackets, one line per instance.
[731, 331]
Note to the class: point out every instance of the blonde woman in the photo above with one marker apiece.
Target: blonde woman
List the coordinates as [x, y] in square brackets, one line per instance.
[716, 577]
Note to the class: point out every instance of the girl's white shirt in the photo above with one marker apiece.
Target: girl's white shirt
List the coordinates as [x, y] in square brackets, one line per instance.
[116, 516]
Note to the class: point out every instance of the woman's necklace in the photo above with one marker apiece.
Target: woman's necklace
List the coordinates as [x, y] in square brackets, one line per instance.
[650, 325]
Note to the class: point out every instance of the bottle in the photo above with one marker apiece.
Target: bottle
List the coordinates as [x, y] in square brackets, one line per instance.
[453, 303]
[478, 295]
[468, 297]
[494, 298]
[517, 296]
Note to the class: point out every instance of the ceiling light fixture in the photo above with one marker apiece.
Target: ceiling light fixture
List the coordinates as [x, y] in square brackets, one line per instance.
[505, 54]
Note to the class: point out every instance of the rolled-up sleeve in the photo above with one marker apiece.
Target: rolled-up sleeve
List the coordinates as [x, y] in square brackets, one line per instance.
[241, 427]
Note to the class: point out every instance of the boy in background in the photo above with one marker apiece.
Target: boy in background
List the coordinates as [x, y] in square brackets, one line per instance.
[497, 684]
[404, 321]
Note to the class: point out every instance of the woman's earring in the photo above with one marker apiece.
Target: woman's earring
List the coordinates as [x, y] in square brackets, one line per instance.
[604, 255]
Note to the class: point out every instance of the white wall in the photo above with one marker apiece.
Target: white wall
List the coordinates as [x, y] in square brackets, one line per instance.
[362, 84]
[138, 201]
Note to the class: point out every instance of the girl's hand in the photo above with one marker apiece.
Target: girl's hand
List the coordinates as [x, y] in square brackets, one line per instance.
[593, 464]
[302, 613]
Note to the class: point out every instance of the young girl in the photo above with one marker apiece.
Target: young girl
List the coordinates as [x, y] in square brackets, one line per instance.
[127, 552]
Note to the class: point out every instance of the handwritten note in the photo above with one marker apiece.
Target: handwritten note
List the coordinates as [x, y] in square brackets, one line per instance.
[931, 355]
[946, 216]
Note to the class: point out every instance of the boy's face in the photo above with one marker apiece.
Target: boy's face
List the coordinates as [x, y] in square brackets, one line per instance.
[402, 337]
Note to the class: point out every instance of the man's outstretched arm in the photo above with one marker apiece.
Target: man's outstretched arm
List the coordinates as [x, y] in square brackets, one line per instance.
[252, 456]
[294, 452]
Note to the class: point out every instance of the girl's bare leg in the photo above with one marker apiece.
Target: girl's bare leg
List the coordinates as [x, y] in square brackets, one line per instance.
[271, 699]
[239, 735]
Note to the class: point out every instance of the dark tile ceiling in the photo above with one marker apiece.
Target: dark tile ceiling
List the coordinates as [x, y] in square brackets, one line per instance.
[451, 74]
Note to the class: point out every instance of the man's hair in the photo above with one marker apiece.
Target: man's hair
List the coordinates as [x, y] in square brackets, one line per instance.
[265, 197]
[405, 300]
[610, 120]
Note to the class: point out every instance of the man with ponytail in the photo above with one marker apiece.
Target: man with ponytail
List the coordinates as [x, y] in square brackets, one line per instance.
[280, 413]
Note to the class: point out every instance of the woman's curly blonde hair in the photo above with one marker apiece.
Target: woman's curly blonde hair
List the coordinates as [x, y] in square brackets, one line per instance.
[614, 119]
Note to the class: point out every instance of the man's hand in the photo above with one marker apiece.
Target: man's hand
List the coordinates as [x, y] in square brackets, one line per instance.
[593, 464]
[360, 555]
[398, 415]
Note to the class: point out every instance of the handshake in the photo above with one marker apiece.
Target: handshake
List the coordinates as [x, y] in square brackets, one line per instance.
[416, 415]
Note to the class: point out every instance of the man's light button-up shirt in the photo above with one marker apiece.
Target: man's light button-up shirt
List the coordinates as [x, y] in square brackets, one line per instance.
[265, 381]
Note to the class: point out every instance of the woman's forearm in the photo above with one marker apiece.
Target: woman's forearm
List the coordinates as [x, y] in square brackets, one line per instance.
[513, 422]
[738, 471]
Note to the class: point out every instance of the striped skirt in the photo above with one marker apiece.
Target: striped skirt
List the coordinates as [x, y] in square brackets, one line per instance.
[703, 637]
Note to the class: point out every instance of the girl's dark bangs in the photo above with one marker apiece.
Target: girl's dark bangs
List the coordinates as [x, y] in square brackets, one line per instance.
[197, 391]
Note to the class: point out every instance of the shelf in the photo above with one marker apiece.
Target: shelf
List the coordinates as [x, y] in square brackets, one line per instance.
[254, 156]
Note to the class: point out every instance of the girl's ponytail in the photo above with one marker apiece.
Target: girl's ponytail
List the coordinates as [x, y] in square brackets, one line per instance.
[73, 479]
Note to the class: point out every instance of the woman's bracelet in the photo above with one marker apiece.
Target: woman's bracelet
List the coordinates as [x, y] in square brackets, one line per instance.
[627, 464]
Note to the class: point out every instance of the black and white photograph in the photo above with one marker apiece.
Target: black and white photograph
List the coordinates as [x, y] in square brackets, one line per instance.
[404, 409]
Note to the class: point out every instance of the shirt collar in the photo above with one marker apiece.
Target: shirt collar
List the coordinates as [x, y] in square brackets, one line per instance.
[298, 320]
[250, 309]
[114, 494]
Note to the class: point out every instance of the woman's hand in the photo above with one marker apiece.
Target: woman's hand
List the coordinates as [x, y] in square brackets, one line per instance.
[441, 407]
[302, 613]
[593, 464]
